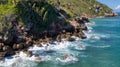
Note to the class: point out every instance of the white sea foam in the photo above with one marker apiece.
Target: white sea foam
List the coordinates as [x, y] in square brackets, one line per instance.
[21, 57]
[91, 23]
[76, 38]
[69, 59]
[104, 46]
[92, 36]
[10, 62]
[80, 47]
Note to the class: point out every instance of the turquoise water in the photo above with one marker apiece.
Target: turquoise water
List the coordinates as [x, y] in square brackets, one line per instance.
[103, 51]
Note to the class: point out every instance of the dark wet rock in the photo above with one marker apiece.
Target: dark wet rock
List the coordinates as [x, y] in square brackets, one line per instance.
[80, 21]
[1, 38]
[9, 51]
[2, 55]
[20, 39]
[20, 46]
[85, 28]
[28, 53]
[39, 45]
[30, 43]
[69, 28]
[15, 47]
[8, 40]
[83, 37]
[71, 39]
[5, 48]
[1, 58]
[63, 36]
[58, 38]
[85, 19]
[1, 46]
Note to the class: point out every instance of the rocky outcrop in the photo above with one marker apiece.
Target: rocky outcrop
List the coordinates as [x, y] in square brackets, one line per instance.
[43, 28]
[111, 14]
[16, 41]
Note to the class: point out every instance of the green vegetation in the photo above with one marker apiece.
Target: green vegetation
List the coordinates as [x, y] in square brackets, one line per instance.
[36, 12]
[81, 7]
[42, 13]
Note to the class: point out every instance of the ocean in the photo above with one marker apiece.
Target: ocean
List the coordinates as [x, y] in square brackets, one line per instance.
[100, 49]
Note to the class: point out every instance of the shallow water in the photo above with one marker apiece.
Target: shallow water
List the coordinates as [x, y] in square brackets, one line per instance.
[101, 48]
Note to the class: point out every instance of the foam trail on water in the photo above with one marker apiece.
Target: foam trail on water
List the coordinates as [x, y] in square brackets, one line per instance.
[80, 47]
[90, 24]
[104, 46]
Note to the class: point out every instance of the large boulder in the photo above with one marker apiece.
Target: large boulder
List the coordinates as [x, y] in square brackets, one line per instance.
[69, 28]
[1, 46]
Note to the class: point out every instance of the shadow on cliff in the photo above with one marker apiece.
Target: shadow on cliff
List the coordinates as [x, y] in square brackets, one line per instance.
[37, 14]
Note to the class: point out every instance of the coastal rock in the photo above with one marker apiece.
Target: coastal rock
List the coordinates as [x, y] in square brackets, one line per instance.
[15, 47]
[58, 38]
[9, 51]
[111, 14]
[5, 48]
[28, 44]
[20, 39]
[85, 19]
[28, 53]
[1, 58]
[83, 37]
[74, 23]
[29, 41]
[68, 28]
[1, 46]
[71, 39]
[20, 46]
[2, 55]
[84, 28]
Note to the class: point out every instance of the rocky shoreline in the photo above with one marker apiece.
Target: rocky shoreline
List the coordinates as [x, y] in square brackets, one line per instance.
[16, 41]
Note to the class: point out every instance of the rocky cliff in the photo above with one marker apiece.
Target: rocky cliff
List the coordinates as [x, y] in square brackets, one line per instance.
[24, 23]
[39, 14]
